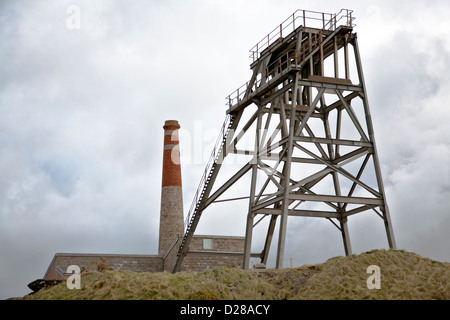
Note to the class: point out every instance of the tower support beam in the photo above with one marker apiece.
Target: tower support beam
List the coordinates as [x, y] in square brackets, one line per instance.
[376, 161]
[285, 205]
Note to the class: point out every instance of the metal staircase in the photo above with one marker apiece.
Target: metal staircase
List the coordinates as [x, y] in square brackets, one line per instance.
[198, 203]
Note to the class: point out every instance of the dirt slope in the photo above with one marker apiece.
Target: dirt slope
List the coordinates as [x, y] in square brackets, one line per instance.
[403, 275]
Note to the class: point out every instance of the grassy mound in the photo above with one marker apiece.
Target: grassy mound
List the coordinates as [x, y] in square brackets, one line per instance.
[403, 275]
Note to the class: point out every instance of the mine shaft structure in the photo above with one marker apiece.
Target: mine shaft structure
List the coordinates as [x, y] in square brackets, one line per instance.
[314, 152]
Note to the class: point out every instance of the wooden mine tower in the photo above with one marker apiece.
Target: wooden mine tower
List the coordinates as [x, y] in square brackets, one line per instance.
[314, 151]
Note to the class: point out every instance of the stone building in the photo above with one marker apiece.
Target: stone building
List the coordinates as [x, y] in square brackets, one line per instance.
[205, 251]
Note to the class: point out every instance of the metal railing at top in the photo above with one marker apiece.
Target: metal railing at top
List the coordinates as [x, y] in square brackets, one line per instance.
[238, 94]
[272, 70]
[312, 19]
[306, 18]
[215, 153]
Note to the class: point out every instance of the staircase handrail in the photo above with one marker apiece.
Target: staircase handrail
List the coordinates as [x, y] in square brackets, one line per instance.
[211, 161]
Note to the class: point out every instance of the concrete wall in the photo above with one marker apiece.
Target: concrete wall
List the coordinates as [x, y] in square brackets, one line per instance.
[219, 243]
[216, 251]
[205, 252]
[209, 252]
[198, 261]
[137, 263]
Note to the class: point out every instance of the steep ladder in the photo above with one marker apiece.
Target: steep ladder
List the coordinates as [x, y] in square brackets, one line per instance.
[202, 191]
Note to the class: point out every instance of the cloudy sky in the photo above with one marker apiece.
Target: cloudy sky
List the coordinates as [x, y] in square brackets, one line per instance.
[83, 107]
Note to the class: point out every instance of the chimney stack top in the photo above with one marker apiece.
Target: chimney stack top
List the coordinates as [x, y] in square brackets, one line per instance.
[171, 125]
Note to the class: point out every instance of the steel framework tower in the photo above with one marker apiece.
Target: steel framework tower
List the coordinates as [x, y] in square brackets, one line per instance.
[314, 152]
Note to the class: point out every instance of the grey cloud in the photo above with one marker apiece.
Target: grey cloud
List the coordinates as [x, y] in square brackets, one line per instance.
[82, 114]
[410, 87]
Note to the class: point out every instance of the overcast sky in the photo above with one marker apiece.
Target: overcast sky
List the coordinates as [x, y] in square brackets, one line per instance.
[82, 112]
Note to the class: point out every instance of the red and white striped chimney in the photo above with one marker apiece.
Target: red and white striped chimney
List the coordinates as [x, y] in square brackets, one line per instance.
[171, 215]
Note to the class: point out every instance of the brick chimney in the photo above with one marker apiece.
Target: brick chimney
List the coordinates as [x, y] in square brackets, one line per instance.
[171, 215]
